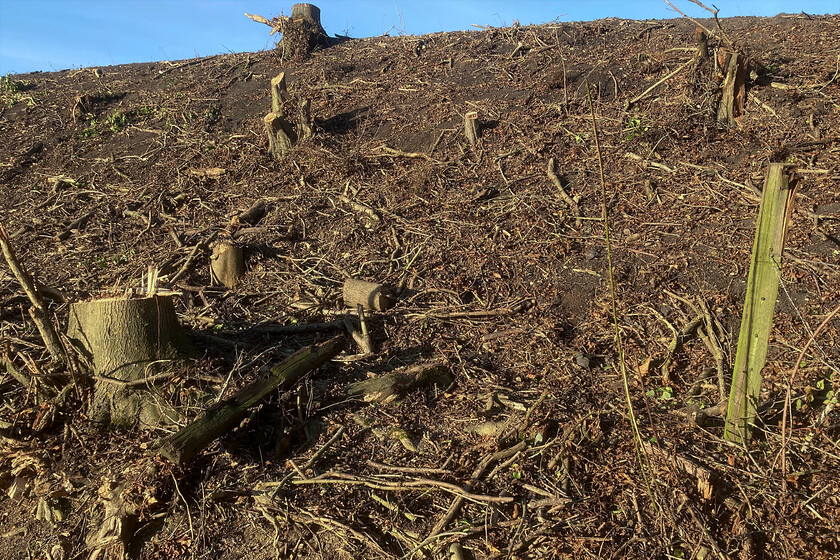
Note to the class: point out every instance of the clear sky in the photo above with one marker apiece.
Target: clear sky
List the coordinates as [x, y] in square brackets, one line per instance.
[53, 35]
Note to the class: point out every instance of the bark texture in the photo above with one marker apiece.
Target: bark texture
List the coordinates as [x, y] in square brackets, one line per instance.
[127, 340]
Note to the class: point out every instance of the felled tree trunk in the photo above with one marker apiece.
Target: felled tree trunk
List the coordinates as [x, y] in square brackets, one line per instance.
[127, 341]
[227, 414]
[371, 296]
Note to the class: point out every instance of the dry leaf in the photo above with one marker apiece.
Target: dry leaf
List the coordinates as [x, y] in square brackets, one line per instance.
[643, 368]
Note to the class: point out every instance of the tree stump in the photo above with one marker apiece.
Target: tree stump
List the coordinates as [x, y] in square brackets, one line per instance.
[227, 263]
[472, 128]
[126, 341]
[304, 127]
[278, 92]
[308, 12]
[302, 32]
[280, 134]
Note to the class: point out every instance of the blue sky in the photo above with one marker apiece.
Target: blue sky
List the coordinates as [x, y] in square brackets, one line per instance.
[53, 35]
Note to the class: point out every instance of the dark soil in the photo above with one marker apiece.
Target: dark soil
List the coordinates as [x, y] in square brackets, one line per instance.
[494, 278]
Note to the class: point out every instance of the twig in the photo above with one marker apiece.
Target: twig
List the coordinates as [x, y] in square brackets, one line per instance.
[415, 470]
[295, 329]
[790, 383]
[571, 202]
[717, 21]
[483, 465]
[419, 155]
[644, 461]
[711, 341]
[420, 483]
[333, 524]
[75, 224]
[38, 312]
[499, 312]
[697, 23]
[312, 460]
[183, 64]
[654, 86]
[136, 382]
[186, 266]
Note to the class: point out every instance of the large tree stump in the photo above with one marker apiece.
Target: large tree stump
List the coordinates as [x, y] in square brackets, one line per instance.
[302, 32]
[308, 12]
[127, 341]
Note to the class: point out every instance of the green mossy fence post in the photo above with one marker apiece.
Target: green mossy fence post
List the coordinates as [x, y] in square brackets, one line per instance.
[760, 303]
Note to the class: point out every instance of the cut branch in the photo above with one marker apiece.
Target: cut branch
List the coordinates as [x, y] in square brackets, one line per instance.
[570, 202]
[227, 414]
[38, 312]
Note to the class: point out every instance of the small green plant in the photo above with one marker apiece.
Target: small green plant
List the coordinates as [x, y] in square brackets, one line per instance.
[117, 121]
[664, 395]
[635, 127]
[822, 393]
[91, 130]
[9, 85]
[149, 111]
[11, 92]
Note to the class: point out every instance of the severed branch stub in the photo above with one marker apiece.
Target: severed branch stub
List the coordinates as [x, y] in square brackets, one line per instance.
[472, 128]
[38, 311]
[368, 294]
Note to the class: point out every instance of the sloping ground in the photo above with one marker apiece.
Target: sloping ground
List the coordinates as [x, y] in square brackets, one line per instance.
[495, 276]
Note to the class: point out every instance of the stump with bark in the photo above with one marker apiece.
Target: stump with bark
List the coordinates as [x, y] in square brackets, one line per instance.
[302, 33]
[227, 263]
[129, 344]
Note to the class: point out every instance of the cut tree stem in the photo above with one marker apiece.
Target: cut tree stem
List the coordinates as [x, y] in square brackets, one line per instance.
[760, 303]
[227, 414]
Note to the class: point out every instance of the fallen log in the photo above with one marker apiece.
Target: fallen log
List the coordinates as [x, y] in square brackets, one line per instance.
[227, 414]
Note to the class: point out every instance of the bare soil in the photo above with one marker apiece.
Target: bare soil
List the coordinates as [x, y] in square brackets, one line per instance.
[494, 277]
